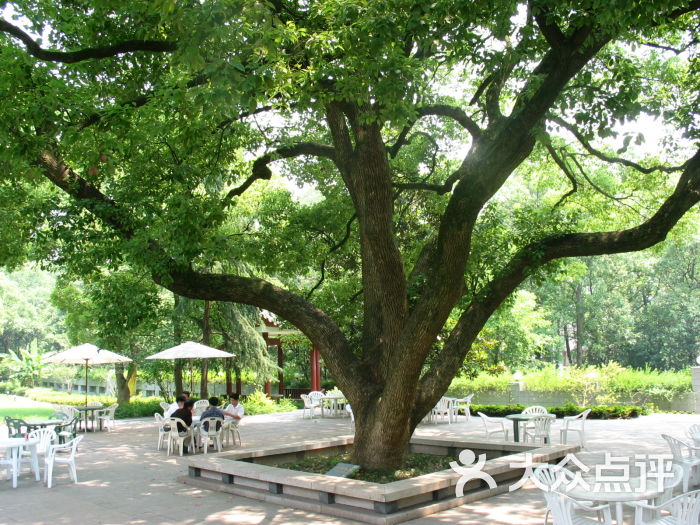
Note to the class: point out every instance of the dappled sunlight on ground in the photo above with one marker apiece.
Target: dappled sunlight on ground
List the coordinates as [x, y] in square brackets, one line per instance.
[123, 479]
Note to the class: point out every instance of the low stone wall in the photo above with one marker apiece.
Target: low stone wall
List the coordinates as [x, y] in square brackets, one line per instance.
[247, 473]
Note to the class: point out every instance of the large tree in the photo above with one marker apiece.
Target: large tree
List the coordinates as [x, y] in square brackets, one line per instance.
[146, 117]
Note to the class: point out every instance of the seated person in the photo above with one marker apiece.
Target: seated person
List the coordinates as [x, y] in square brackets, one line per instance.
[234, 410]
[179, 403]
[186, 394]
[184, 413]
[212, 411]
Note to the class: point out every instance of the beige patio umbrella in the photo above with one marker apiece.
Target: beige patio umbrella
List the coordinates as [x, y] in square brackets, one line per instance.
[191, 350]
[87, 354]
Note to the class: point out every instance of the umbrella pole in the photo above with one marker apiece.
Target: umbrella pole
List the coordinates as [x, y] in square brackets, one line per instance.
[191, 378]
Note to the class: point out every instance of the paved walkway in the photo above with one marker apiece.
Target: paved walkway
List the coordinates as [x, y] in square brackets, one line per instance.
[123, 479]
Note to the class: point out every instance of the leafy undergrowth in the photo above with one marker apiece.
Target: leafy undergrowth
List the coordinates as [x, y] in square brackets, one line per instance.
[414, 465]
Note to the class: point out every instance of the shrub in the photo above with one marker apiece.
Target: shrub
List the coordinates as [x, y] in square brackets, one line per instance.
[606, 384]
[137, 407]
[462, 386]
[12, 388]
[597, 411]
[259, 403]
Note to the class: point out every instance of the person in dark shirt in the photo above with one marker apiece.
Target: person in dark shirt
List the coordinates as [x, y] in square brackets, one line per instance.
[184, 413]
[213, 411]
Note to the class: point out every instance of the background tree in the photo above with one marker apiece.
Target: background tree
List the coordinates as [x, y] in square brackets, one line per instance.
[143, 117]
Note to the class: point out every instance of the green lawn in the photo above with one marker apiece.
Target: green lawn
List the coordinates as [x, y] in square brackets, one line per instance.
[26, 413]
[10, 406]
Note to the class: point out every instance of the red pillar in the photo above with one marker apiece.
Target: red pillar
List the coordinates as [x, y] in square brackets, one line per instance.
[315, 366]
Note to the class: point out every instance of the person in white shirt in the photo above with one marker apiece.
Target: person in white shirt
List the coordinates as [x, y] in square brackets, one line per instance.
[234, 410]
[179, 403]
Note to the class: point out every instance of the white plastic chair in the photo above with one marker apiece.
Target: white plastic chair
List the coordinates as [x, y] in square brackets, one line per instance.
[163, 432]
[348, 409]
[686, 461]
[11, 465]
[316, 398]
[106, 416]
[681, 510]
[497, 426]
[70, 411]
[538, 429]
[575, 424]
[94, 404]
[46, 437]
[231, 430]
[176, 438]
[535, 410]
[553, 477]
[564, 510]
[693, 432]
[443, 409]
[464, 404]
[165, 406]
[309, 405]
[200, 407]
[51, 458]
[211, 429]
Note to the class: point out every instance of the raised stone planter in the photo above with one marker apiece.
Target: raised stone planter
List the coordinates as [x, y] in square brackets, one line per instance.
[249, 473]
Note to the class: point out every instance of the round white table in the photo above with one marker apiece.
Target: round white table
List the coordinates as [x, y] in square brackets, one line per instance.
[616, 493]
[335, 404]
[15, 446]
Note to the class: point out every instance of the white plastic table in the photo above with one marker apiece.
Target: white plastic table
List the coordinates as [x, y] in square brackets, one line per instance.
[334, 403]
[15, 446]
[617, 493]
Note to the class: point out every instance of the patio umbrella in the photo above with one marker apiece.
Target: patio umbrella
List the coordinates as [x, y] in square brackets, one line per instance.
[191, 350]
[87, 354]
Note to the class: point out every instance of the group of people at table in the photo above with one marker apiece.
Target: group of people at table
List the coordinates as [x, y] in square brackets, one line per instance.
[183, 410]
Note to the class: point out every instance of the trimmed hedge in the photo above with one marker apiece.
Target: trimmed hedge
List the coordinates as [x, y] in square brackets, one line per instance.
[256, 403]
[597, 411]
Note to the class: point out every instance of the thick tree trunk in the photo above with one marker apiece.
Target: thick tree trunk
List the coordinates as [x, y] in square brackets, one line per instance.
[580, 323]
[123, 383]
[206, 340]
[229, 382]
[239, 383]
[383, 428]
[177, 338]
[567, 345]
[177, 373]
[204, 380]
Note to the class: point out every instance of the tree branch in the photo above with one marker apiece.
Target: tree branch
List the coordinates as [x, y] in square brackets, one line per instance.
[608, 158]
[261, 171]
[185, 282]
[135, 102]
[455, 113]
[91, 53]
[654, 230]
[565, 169]
[549, 29]
[336, 246]
[84, 192]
